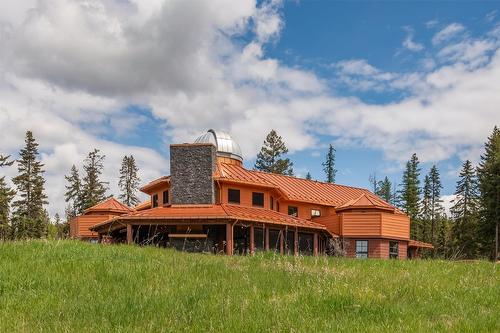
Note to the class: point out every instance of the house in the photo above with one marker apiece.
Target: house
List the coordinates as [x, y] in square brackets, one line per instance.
[212, 203]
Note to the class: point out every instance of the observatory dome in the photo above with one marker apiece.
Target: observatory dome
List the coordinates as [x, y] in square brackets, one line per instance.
[226, 146]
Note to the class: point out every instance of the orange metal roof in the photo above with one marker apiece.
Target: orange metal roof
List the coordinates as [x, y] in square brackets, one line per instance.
[416, 243]
[297, 189]
[219, 211]
[366, 200]
[154, 183]
[110, 204]
[143, 205]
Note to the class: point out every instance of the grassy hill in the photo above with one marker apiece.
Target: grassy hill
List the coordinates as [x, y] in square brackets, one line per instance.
[77, 287]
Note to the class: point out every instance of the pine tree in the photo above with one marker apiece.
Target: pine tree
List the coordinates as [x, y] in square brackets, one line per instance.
[489, 185]
[94, 190]
[270, 157]
[29, 218]
[436, 202]
[62, 228]
[384, 189]
[465, 211]
[423, 232]
[443, 243]
[74, 191]
[6, 196]
[129, 181]
[372, 178]
[410, 193]
[308, 176]
[329, 165]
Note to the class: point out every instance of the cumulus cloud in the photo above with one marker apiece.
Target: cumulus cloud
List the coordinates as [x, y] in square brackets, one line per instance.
[69, 70]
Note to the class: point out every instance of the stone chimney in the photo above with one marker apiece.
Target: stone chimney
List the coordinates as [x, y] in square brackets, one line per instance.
[191, 173]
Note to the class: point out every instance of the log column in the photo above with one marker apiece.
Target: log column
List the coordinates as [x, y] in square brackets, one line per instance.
[229, 239]
[315, 244]
[282, 241]
[296, 242]
[266, 238]
[130, 237]
[252, 239]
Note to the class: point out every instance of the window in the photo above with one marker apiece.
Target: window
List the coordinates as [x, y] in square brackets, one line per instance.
[258, 199]
[393, 250]
[233, 196]
[361, 249]
[315, 213]
[155, 200]
[165, 197]
[277, 206]
[292, 210]
[271, 203]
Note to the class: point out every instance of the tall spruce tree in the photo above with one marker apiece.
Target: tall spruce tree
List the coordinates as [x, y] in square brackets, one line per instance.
[6, 196]
[129, 181]
[94, 189]
[329, 165]
[372, 178]
[384, 189]
[29, 218]
[308, 176]
[423, 232]
[409, 195]
[436, 207]
[74, 192]
[465, 211]
[270, 158]
[489, 184]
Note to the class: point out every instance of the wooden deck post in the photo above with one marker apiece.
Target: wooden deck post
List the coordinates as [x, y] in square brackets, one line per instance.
[296, 242]
[315, 244]
[282, 241]
[252, 239]
[266, 238]
[130, 238]
[229, 239]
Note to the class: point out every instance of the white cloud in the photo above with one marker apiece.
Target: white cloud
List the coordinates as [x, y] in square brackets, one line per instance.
[409, 43]
[69, 70]
[448, 32]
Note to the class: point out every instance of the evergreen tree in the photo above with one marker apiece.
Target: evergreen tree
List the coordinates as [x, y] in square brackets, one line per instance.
[423, 232]
[6, 196]
[436, 208]
[373, 181]
[465, 211]
[443, 244]
[62, 228]
[384, 189]
[270, 157]
[329, 165]
[410, 193]
[94, 190]
[29, 218]
[308, 176]
[129, 181]
[489, 185]
[74, 191]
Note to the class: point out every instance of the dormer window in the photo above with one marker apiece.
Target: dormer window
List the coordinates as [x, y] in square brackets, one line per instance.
[257, 199]
[155, 200]
[293, 211]
[165, 197]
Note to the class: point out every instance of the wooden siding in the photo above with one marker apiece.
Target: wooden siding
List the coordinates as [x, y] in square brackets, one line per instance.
[331, 222]
[395, 225]
[360, 224]
[79, 226]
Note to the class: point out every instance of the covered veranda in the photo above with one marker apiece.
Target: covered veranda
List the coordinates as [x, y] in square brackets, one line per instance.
[216, 229]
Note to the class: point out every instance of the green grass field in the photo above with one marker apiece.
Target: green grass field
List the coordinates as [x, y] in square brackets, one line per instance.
[72, 286]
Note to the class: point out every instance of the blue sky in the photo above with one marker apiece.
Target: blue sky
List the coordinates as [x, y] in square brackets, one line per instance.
[378, 80]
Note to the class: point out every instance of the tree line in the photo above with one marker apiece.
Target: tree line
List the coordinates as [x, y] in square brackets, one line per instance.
[22, 209]
[471, 230]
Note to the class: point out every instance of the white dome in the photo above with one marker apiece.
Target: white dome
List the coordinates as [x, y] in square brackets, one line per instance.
[226, 146]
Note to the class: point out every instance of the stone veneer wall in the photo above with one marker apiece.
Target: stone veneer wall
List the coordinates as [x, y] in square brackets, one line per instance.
[191, 170]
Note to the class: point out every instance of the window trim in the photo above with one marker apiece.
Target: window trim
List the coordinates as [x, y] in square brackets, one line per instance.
[360, 254]
[229, 196]
[393, 255]
[253, 199]
[154, 200]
